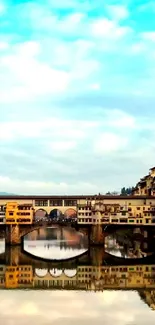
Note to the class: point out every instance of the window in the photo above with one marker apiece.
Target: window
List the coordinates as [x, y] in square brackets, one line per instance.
[138, 208]
[41, 203]
[56, 203]
[10, 213]
[70, 203]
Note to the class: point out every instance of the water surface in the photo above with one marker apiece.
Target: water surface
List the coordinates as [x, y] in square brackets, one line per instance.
[115, 284]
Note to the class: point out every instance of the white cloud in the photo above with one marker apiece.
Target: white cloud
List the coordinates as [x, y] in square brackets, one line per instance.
[28, 49]
[2, 8]
[108, 143]
[118, 12]
[3, 46]
[34, 76]
[62, 146]
[51, 128]
[85, 309]
[137, 48]
[28, 71]
[120, 119]
[28, 308]
[150, 36]
[38, 187]
[109, 29]
[41, 18]
[95, 86]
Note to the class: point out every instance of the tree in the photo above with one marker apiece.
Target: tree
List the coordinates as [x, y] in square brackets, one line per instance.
[126, 191]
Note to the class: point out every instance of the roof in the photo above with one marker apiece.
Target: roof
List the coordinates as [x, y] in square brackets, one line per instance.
[145, 177]
[152, 168]
[73, 197]
[25, 204]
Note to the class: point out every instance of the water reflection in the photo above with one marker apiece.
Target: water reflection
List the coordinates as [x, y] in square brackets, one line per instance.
[117, 287]
[55, 243]
[117, 246]
[96, 271]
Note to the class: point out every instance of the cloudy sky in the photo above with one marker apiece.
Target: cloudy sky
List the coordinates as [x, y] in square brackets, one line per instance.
[73, 308]
[76, 95]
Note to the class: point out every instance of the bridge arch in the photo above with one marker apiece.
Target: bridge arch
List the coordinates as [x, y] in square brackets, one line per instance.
[71, 213]
[41, 272]
[55, 213]
[55, 272]
[40, 214]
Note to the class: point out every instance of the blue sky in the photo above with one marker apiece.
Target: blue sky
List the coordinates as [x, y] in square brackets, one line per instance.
[76, 95]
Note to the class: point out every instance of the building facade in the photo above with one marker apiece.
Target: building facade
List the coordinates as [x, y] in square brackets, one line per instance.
[146, 185]
[139, 210]
[16, 213]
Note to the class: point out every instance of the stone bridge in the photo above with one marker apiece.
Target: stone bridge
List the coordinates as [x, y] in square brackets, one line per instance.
[96, 233]
[14, 233]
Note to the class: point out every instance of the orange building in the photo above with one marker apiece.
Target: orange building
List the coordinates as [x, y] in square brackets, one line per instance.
[19, 213]
[18, 276]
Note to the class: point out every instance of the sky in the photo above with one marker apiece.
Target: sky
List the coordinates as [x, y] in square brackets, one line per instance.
[76, 95]
[45, 307]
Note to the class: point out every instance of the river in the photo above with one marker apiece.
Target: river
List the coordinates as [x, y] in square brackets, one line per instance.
[56, 278]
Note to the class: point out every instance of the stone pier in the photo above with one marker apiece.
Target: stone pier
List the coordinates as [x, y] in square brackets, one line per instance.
[14, 233]
[97, 235]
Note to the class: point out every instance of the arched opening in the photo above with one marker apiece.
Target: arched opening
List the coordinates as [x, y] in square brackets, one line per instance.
[55, 272]
[70, 273]
[41, 272]
[40, 215]
[56, 214]
[70, 214]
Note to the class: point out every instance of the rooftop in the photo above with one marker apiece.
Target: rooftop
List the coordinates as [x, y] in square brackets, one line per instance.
[16, 198]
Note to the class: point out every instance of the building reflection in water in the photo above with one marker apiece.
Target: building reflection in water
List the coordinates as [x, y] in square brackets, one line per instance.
[97, 270]
[56, 243]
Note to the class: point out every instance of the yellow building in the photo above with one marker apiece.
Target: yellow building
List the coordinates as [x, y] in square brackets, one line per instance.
[116, 277]
[19, 213]
[146, 185]
[131, 212]
[18, 276]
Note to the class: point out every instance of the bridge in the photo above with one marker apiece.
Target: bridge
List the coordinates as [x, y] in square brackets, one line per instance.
[96, 271]
[96, 234]
[90, 215]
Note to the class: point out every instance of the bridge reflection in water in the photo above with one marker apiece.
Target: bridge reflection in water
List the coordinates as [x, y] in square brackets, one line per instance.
[94, 271]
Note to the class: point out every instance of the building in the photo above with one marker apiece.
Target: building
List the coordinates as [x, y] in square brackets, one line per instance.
[19, 213]
[131, 211]
[18, 276]
[114, 277]
[95, 209]
[146, 185]
[2, 214]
